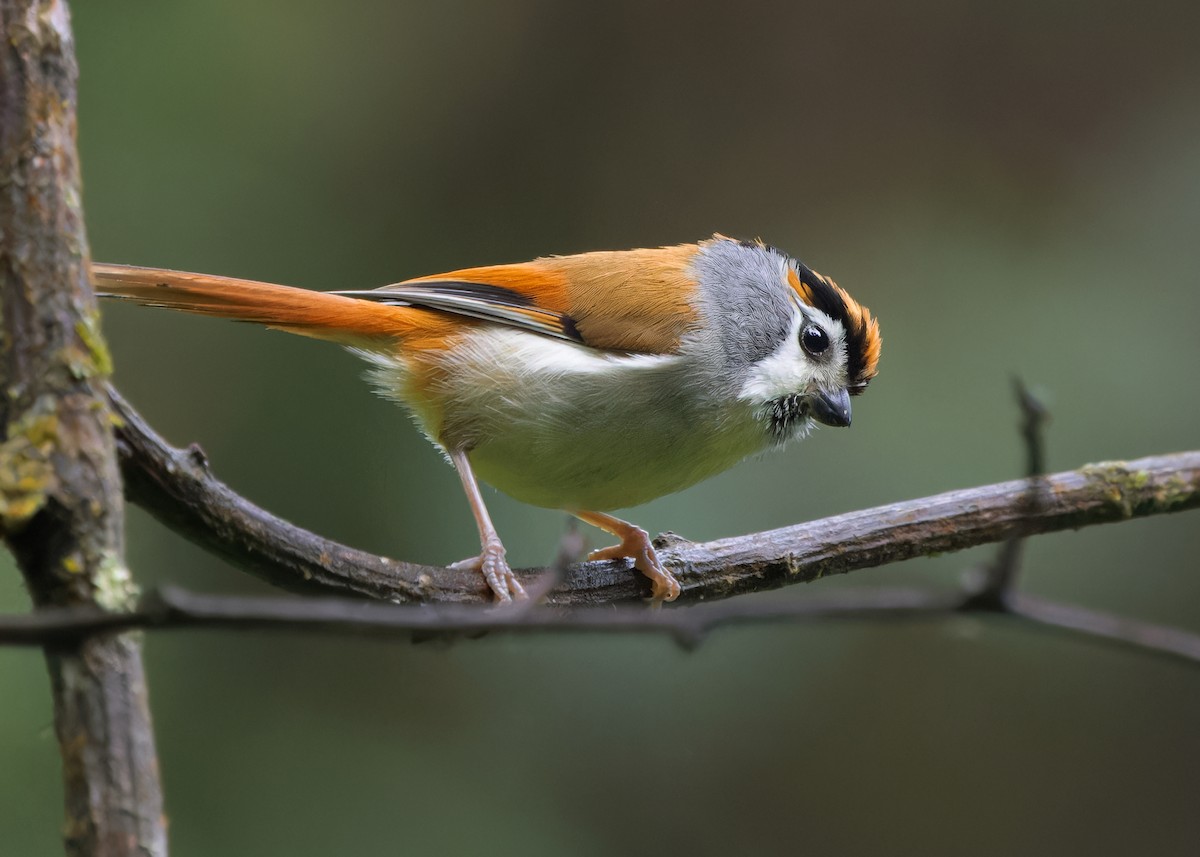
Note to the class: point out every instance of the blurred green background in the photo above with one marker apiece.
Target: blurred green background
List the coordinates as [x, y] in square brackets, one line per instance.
[1012, 188]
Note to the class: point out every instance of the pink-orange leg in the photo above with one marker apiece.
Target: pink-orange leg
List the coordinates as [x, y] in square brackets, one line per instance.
[491, 561]
[635, 545]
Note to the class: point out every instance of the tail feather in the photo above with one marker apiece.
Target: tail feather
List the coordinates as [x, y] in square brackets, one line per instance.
[344, 320]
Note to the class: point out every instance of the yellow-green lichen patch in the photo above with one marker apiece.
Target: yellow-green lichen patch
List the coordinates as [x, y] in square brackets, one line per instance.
[26, 472]
[1119, 483]
[1175, 491]
[99, 360]
[114, 586]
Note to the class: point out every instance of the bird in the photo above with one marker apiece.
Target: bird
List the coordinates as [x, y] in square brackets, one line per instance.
[587, 383]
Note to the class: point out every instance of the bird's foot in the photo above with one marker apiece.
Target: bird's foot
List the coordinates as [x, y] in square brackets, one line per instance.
[491, 563]
[635, 544]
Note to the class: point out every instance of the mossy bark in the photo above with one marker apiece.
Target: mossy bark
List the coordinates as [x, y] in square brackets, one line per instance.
[61, 509]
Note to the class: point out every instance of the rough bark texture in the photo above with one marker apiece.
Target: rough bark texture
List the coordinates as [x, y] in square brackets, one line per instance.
[177, 487]
[61, 509]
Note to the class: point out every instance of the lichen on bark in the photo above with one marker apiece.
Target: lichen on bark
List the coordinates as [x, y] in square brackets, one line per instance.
[61, 507]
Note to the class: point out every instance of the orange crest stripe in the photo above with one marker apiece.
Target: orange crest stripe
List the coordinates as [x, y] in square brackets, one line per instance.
[863, 342]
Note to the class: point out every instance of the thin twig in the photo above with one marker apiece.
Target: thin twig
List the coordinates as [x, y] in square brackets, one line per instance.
[995, 583]
[1142, 636]
[570, 549]
[174, 608]
[1034, 417]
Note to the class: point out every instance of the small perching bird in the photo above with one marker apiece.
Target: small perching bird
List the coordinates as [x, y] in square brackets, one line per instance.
[585, 383]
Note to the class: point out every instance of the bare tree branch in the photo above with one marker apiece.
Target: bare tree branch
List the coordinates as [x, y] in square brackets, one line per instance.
[174, 608]
[61, 510]
[171, 607]
[178, 488]
[1131, 633]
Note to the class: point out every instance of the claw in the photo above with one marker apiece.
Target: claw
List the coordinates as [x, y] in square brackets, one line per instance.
[496, 571]
[635, 544]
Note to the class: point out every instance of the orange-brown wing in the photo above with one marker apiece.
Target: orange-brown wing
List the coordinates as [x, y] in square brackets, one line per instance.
[630, 301]
[522, 296]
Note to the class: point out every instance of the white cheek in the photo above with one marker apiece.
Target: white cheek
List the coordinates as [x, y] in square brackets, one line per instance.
[783, 373]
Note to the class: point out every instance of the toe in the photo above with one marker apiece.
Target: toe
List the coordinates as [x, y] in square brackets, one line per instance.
[491, 563]
[615, 552]
[514, 587]
[471, 563]
[665, 588]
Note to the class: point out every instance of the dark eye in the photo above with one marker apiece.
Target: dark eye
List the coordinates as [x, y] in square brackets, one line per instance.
[814, 340]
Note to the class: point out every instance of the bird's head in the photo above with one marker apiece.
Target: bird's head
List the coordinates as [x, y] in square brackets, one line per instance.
[829, 352]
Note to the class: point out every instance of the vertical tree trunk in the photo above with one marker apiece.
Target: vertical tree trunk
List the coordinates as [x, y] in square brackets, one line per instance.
[61, 510]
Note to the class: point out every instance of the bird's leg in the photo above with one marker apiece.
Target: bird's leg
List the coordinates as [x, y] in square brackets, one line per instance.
[635, 545]
[491, 561]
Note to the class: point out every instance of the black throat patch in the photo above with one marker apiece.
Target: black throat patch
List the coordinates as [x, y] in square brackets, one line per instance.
[786, 415]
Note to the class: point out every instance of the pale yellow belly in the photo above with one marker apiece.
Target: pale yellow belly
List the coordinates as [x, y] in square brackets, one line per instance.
[599, 470]
[557, 425]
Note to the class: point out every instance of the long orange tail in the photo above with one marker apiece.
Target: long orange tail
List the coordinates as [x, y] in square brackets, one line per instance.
[347, 321]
